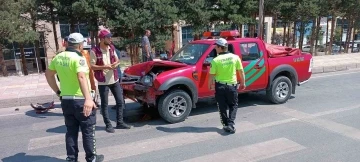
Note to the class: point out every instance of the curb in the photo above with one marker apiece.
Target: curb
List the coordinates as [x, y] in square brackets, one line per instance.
[326, 69]
[130, 114]
[25, 101]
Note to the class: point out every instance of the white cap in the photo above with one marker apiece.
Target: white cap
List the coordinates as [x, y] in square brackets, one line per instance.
[221, 42]
[76, 38]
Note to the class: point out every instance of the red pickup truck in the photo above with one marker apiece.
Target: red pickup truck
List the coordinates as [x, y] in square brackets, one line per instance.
[174, 86]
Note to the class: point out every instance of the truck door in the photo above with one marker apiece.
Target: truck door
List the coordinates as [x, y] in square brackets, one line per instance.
[203, 83]
[254, 65]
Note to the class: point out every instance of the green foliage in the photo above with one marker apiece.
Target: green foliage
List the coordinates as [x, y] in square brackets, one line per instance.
[337, 34]
[195, 13]
[129, 19]
[14, 25]
[307, 9]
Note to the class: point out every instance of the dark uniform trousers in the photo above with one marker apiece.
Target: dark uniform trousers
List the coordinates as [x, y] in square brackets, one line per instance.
[117, 91]
[74, 118]
[226, 97]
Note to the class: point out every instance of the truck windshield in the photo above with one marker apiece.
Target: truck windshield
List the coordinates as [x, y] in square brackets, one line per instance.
[190, 53]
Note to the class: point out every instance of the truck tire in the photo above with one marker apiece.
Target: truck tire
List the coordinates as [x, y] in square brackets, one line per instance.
[175, 106]
[280, 90]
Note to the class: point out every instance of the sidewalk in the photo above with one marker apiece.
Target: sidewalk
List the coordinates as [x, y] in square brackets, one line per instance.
[330, 63]
[23, 90]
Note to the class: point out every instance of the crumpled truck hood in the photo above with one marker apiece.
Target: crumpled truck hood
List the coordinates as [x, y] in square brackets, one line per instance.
[143, 68]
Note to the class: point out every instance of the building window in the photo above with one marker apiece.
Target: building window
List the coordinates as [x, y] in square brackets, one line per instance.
[65, 30]
[80, 28]
[187, 34]
[83, 30]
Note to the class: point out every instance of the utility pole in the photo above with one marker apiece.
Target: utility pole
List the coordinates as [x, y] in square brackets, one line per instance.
[261, 20]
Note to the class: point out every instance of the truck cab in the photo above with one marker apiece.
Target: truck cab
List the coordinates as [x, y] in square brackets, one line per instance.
[174, 86]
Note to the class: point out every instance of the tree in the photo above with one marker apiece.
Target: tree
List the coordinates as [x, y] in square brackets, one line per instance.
[25, 33]
[240, 13]
[306, 11]
[273, 7]
[31, 11]
[66, 12]
[130, 19]
[195, 13]
[13, 27]
[48, 13]
[9, 14]
[92, 13]
[318, 34]
[350, 14]
[287, 15]
[334, 11]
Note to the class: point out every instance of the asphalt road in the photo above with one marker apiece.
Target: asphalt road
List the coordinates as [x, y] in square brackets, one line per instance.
[320, 123]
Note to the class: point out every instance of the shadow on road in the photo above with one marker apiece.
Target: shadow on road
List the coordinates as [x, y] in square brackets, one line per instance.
[51, 112]
[190, 129]
[32, 113]
[139, 116]
[22, 157]
[62, 129]
[150, 116]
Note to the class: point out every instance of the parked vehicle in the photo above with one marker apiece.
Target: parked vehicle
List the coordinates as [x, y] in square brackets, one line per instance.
[319, 48]
[174, 86]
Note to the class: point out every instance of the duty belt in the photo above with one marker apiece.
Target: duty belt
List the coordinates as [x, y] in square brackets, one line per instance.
[92, 93]
[231, 84]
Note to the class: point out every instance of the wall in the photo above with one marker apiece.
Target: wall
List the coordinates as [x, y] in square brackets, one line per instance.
[49, 37]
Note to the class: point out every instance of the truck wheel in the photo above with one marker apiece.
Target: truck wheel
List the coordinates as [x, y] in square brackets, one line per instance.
[280, 90]
[175, 106]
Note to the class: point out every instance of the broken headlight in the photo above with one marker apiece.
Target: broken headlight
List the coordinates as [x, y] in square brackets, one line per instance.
[147, 80]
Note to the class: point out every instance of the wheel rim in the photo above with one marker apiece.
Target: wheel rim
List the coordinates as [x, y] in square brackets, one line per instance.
[282, 90]
[177, 106]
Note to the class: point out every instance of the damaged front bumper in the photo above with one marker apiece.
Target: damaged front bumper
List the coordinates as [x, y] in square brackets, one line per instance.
[138, 92]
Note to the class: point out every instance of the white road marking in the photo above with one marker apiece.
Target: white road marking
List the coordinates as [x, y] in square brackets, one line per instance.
[254, 152]
[43, 142]
[37, 143]
[328, 125]
[336, 111]
[160, 143]
[171, 141]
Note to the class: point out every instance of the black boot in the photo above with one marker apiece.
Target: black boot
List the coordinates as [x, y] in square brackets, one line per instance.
[109, 129]
[96, 158]
[230, 129]
[99, 158]
[122, 126]
[71, 159]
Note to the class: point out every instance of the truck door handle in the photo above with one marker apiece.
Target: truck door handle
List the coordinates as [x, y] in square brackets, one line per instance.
[258, 67]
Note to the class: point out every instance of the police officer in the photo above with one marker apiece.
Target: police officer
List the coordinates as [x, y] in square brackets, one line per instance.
[77, 104]
[228, 73]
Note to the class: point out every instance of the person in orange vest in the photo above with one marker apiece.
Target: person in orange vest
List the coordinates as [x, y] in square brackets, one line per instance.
[86, 54]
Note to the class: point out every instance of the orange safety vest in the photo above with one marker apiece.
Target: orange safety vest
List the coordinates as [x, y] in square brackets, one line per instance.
[86, 54]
